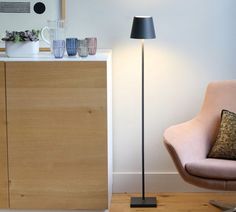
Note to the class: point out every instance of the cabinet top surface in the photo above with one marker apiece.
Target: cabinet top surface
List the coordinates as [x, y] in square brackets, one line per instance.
[101, 55]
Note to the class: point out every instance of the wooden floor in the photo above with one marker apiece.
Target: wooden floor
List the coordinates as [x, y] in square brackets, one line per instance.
[174, 202]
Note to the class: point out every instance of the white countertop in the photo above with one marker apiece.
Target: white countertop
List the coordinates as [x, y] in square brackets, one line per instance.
[101, 55]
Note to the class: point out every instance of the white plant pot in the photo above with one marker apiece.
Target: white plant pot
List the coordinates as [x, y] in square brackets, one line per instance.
[22, 49]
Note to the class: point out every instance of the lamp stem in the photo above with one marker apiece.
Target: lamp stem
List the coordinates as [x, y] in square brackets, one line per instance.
[141, 202]
[143, 164]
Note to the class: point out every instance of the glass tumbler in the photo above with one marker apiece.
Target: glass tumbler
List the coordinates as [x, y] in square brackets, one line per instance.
[71, 46]
[83, 48]
[92, 45]
[59, 47]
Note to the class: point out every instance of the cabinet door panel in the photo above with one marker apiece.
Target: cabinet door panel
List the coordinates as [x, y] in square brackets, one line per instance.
[57, 126]
[4, 202]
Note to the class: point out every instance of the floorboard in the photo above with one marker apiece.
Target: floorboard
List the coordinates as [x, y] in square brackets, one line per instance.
[174, 202]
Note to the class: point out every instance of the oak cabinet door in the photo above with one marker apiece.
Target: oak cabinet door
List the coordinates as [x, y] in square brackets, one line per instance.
[4, 201]
[57, 135]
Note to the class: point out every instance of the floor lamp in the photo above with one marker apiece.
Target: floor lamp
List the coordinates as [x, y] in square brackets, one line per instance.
[143, 28]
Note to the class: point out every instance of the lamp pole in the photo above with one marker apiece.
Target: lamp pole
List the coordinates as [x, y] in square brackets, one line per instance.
[143, 161]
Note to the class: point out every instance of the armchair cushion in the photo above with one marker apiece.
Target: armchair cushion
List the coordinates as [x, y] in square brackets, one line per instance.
[225, 145]
[213, 169]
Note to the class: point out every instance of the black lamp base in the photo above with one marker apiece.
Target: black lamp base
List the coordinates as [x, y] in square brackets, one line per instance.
[139, 202]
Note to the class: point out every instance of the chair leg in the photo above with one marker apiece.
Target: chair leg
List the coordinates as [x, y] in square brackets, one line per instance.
[231, 210]
[223, 206]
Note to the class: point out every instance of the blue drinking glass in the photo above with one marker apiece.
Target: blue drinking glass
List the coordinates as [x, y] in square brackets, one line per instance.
[72, 46]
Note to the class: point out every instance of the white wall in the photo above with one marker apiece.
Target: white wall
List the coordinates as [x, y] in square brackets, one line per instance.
[196, 43]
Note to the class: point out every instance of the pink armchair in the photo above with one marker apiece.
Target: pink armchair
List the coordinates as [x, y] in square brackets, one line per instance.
[189, 143]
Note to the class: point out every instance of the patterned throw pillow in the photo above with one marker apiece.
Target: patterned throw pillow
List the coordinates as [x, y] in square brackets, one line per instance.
[225, 145]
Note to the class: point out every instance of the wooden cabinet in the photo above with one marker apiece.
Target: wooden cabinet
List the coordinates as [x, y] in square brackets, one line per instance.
[4, 201]
[56, 140]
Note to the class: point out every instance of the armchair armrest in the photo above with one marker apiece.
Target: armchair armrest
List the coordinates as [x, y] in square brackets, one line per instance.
[187, 142]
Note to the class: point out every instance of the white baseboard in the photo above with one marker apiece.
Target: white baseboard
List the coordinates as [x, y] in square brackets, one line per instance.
[130, 182]
[21, 210]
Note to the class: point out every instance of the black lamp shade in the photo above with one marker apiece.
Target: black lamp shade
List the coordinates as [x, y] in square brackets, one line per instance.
[143, 28]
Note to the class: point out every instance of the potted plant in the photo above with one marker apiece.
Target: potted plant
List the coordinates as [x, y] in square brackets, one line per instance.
[22, 44]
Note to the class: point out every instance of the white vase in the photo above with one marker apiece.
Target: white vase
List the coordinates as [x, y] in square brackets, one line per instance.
[22, 49]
